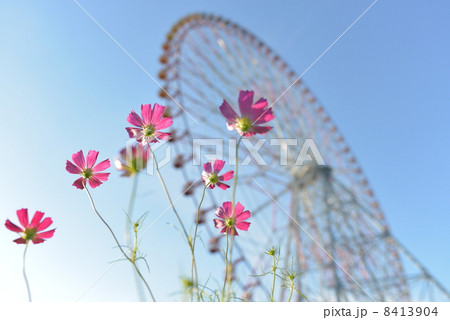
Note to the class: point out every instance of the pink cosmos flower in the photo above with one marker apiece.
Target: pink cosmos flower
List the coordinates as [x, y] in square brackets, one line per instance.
[211, 175]
[252, 115]
[87, 170]
[148, 126]
[33, 230]
[132, 160]
[228, 221]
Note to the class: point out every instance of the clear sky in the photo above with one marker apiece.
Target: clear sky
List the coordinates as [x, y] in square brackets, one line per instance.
[65, 86]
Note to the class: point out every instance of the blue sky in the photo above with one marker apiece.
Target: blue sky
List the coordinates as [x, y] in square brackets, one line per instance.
[65, 86]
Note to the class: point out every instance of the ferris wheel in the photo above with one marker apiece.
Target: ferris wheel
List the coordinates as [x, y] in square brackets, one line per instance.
[324, 217]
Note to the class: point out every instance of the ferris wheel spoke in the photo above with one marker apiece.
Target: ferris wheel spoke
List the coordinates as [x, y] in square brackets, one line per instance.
[257, 71]
[210, 64]
[212, 44]
[196, 89]
[376, 222]
[374, 264]
[346, 252]
[232, 62]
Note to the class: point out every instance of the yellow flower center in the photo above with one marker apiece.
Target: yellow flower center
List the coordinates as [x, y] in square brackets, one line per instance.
[29, 234]
[87, 173]
[213, 178]
[244, 124]
[149, 130]
[230, 222]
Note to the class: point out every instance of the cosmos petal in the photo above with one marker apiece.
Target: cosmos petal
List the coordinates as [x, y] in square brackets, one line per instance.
[248, 134]
[226, 176]
[261, 129]
[238, 208]
[207, 167]
[242, 225]
[79, 183]
[220, 212]
[94, 182]
[228, 112]
[243, 215]
[162, 135]
[163, 123]
[36, 219]
[219, 223]
[218, 165]
[103, 176]
[46, 234]
[102, 166]
[44, 224]
[71, 168]
[20, 241]
[259, 116]
[146, 111]
[11, 226]
[37, 240]
[227, 209]
[134, 132]
[134, 119]
[222, 186]
[91, 158]
[22, 214]
[260, 104]
[78, 159]
[245, 102]
[157, 113]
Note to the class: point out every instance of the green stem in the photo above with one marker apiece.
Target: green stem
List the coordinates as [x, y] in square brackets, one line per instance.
[233, 203]
[129, 221]
[24, 272]
[145, 282]
[198, 215]
[168, 196]
[104, 222]
[128, 225]
[135, 245]
[195, 282]
[236, 171]
[274, 270]
[175, 212]
[225, 281]
[117, 242]
[230, 268]
[291, 291]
